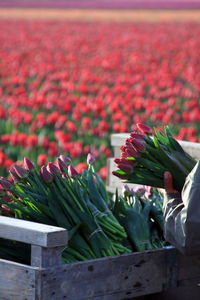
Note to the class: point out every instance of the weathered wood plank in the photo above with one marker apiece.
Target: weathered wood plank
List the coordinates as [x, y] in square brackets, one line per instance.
[111, 278]
[32, 233]
[17, 281]
[46, 257]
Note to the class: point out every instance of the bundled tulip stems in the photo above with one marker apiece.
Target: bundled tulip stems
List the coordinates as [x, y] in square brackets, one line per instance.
[148, 153]
[58, 195]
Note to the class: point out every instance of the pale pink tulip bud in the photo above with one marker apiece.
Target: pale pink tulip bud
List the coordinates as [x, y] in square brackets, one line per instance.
[90, 159]
[72, 171]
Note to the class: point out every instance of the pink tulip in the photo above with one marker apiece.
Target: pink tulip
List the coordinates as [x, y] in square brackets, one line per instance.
[143, 128]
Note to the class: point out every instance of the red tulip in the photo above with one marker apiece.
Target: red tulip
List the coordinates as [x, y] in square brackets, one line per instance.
[144, 128]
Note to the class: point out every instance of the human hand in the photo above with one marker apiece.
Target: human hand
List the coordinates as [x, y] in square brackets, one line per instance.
[168, 183]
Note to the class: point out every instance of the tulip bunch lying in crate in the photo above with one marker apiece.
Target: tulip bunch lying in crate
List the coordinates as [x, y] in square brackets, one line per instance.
[148, 153]
[99, 223]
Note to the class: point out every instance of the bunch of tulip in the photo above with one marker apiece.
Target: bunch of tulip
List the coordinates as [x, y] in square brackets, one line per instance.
[58, 195]
[140, 213]
[148, 153]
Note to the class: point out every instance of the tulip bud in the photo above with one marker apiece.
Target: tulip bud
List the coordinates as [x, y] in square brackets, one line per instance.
[62, 165]
[127, 191]
[6, 184]
[90, 159]
[28, 164]
[14, 174]
[121, 176]
[72, 171]
[143, 128]
[148, 191]
[52, 168]
[140, 191]
[46, 175]
[137, 135]
[20, 171]
[131, 150]
[65, 159]
[138, 144]
[124, 167]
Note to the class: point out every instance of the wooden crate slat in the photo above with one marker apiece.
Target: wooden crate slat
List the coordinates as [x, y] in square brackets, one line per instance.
[120, 277]
[17, 281]
[32, 233]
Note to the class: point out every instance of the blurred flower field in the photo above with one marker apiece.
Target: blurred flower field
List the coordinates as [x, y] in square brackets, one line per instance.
[66, 86]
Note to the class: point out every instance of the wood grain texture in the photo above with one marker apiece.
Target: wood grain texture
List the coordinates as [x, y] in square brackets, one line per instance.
[46, 257]
[111, 278]
[32, 233]
[17, 281]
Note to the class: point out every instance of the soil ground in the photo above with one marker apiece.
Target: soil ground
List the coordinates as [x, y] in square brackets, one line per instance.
[99, 14]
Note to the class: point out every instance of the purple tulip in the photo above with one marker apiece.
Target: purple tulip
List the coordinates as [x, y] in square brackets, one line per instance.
[65, 159]
[52, 168]
[20, 171]
[140, 191]
[72, 171]
[14, 174]
[28, 164]
[63, 167]
[46, 175]
[6, 183]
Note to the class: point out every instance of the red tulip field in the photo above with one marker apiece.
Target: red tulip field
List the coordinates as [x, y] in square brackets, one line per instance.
[66, 86]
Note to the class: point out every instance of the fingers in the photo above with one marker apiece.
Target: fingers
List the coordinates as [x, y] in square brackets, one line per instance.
[168, 182]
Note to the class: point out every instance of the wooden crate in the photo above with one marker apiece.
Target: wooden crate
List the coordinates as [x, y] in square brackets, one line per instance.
[112, 278]
[118, 139]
